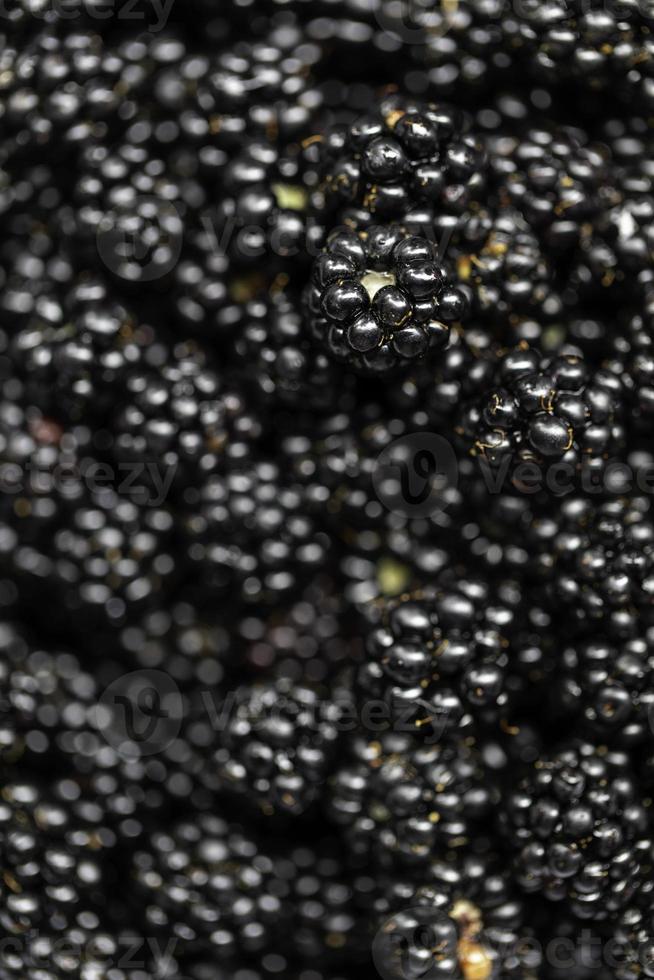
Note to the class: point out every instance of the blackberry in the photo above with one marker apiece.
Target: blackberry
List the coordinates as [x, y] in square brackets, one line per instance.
[599, 559]
[131, 211]
[309, 641]
[263, 212]
[632, 943]
[53, 849]
[443, 651]
[579, 830]
[399, 799]
[69, 529]
[403, 156]
[509, 276]
[546, 409]
[282, 365]
[554, 178]
[610, 688]
[380, 299]
[277, 741]
[75, 352]
[264, 88]
[211, 887]
[459, 920]
[249, 531]
[64, 721]
[178, 416]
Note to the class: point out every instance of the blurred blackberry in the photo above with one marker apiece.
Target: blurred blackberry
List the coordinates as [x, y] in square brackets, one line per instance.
[554, 178]
[351, 465]
[381, 299]
[632, 943]
[604, 49]
[54, 850]
[249, 532]
[579, 828]
[262, 215]
[277, 741]
[440, 656]
[500, 260]
[307, 642]
[130, 211]
[277, 360]
[263, 88]
[63, 719]
[399, 798]
[77, 349]
[176, 421]
[546, 409]
[610, 688]
[459, 920]
[404, 156]
[211, 887]
[72, 532]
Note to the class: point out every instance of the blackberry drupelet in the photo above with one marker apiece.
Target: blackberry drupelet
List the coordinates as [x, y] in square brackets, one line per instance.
[381, 299]
[579, 827]
[440, 656]
[398, 798]
[545, 410]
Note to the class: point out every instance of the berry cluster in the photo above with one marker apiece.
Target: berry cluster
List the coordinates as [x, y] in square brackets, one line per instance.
[326, 535]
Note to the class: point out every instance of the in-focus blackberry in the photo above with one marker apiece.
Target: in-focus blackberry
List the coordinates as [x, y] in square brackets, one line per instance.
[441, 655]
[610, 688]
[380, 299]
[545, 410]
[395, 160]
[579, 829]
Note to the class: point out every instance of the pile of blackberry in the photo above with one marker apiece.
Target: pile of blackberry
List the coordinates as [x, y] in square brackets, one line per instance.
[326, 528]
